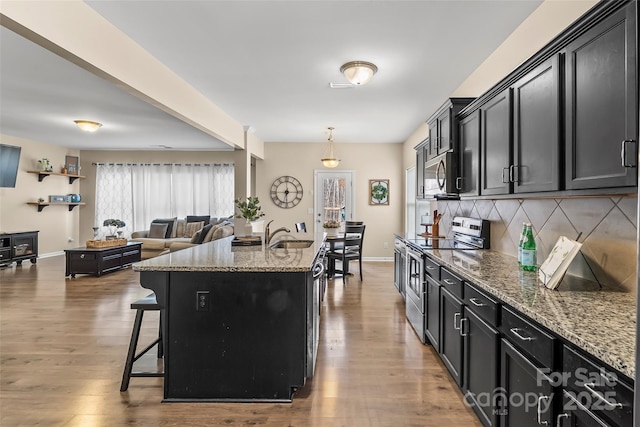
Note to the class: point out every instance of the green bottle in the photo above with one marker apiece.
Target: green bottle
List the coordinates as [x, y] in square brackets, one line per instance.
[522, 234]
[529, 250]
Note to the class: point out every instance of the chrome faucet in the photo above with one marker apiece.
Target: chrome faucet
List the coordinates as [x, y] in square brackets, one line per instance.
[268, 236]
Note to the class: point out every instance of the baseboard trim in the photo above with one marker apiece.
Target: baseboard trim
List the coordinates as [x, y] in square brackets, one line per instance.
[377, 259]
[51, 254]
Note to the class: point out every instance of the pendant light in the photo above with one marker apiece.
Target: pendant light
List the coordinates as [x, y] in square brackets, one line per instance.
[330, 161]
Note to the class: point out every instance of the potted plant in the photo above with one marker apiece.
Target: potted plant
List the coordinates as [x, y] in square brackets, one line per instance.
[113, 225]
[250, 210]
[331, 227]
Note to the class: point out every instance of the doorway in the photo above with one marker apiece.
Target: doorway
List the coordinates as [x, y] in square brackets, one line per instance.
[333, 198]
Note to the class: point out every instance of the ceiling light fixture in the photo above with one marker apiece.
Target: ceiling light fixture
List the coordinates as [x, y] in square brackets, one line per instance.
[88, 125]
[358, 72]
[330, 161]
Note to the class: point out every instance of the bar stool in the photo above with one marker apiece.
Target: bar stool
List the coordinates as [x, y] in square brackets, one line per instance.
[147, 303]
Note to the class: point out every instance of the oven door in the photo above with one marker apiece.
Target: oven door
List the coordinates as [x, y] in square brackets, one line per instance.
[415, 297]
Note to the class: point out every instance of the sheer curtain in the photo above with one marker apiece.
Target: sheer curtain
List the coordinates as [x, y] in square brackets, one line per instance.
[138, 193]
[114, 196]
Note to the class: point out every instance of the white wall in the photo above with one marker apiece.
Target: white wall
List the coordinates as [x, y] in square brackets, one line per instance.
[56, 223]
[369, 161]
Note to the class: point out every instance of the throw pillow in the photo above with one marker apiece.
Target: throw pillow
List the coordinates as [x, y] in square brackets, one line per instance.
[158, 230]
[204, 232]
[171, 226]
[198, 218]
[191, 227]
[195, 237]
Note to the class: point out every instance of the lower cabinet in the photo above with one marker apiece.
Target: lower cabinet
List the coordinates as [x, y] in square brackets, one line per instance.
[480, 366]
[432, 317]
[528, 395]
[451, 334]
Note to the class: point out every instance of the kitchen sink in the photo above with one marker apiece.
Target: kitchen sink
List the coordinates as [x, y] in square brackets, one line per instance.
[291, 244]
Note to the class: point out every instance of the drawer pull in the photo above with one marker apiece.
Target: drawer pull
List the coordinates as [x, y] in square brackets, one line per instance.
[559, 419]
[82, 256]
[516, 332]
[449, 282]
[601, 397]
[542, 423]
[476, 302]
[584, 409]
[429, 267]
[456, 317]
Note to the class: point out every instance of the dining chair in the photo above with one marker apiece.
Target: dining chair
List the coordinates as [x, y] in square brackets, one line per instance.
[351, 251]
[301, 226]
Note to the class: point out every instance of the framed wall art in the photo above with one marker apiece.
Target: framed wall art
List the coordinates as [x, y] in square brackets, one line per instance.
[71, 162]
[379, 192]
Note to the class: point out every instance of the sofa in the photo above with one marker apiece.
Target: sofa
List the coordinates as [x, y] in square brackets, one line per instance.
[167, 235]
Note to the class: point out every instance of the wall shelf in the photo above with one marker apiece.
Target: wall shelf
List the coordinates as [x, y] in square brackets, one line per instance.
[42, 205]
[43, 174]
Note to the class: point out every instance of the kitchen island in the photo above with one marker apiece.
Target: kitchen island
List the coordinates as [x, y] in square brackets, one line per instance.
[239, 322]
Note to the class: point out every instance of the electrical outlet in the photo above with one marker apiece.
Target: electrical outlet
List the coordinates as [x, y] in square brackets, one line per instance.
[203, 301]
[385, 245]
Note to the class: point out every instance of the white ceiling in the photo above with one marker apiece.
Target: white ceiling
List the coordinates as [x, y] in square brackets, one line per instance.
[268, 64]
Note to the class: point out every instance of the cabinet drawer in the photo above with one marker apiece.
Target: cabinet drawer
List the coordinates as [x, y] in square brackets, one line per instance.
[451, 282]
[129, 257]
[529, 337]
[432, 268]
[5, 254]
[481, 304]
[114, 260]
[597, 387]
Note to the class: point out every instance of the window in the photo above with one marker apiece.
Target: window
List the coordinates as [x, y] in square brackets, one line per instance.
[138, 193]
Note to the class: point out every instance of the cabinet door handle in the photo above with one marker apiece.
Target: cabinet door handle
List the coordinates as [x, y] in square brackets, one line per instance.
[559, 419]
[516, 332]
[505, 181]
[459, 183]
[542, 423]
[600, 397]
[476, 302]
[430, 267]
[462, 323]
[456, 317]
[449, 282]
[623, 153]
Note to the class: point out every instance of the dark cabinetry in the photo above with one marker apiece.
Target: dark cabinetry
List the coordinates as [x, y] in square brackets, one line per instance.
[566, 119]
[536, 130]
[443, 129]
[601, 113]
[468, 182]
[421, 157]
[451, 335]
[17, 247]
[481, 353]
[432, 291]
[399, 267]
[98, 261]
[495, 144]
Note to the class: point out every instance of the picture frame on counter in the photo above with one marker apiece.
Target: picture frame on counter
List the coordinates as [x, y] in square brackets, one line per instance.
[379, 192]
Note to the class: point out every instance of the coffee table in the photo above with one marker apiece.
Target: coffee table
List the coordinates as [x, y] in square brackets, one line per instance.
[98, 261]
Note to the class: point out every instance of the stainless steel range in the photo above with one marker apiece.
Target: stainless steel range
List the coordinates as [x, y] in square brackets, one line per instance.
[469, 234]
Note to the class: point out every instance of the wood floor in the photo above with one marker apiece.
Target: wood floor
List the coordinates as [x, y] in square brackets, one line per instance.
[63, 343]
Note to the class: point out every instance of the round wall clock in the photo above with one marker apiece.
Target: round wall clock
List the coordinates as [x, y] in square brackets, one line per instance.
[286, 192]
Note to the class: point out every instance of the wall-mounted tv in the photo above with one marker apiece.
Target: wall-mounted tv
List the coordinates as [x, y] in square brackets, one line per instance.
[9, 160]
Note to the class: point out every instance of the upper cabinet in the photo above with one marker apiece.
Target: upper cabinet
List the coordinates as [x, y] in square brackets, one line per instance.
[421, 153]
[495, 143]
[443, 130]
[468, 182]
[601, 114]
[566, 119]
[536, 130]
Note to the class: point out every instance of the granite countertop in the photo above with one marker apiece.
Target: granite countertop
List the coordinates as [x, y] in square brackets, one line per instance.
[220, 255]
[600, 321]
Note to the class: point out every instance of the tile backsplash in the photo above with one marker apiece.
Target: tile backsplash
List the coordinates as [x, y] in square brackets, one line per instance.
[606, 225]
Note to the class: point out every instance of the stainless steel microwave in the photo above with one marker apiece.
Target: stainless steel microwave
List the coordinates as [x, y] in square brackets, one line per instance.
[440, 175]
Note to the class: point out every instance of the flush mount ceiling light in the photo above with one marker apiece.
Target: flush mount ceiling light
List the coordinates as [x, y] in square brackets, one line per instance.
[330, 160]
[358, 72]
[88, 125]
